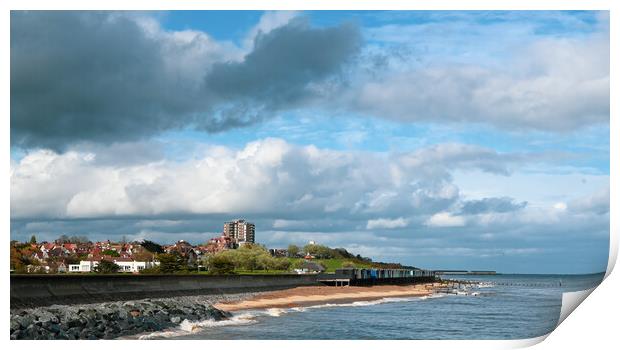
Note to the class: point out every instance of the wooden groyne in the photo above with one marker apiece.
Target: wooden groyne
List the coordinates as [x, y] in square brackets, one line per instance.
[508, 284]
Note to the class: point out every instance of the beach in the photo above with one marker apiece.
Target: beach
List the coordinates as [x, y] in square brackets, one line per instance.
[314, 295]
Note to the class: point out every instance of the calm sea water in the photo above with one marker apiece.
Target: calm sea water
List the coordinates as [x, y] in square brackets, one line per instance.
[508, 307]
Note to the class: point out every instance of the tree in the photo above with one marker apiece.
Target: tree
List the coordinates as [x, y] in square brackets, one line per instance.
[33, 239]
[105, 266]
[169, 263]
[78, 239]
[152, 247]
[281, 264]
[320, 251]
[63, 239]
[220, 264]
[143, 255]
[110, 252]
[293, 250]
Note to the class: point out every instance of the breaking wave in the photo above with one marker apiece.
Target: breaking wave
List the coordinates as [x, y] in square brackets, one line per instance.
[248, 317]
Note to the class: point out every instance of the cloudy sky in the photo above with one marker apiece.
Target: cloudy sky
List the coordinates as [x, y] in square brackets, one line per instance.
[445, 140]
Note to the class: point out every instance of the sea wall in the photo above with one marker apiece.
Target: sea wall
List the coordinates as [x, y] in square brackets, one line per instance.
[41, 290]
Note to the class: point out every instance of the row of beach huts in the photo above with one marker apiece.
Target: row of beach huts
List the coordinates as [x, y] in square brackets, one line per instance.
[354, 276]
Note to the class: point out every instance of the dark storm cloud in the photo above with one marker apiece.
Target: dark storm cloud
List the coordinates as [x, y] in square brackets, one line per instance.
[278, 71]
[101, 77]
[496, 205]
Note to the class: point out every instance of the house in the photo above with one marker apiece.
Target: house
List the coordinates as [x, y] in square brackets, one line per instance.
[40, 256]
[126, 264]
[218, 244]
[185, 250]
[57, 267]
[83, 248]
[70, 247]
[57, 252]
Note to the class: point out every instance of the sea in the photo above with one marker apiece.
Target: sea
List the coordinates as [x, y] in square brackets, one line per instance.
[503, 306]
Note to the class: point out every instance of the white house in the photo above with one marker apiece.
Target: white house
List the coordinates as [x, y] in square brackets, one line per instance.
[126, 266]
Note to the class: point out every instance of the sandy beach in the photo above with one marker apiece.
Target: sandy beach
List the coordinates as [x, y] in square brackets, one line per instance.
[305, 296]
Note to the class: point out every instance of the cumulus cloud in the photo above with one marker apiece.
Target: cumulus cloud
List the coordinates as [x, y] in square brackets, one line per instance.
[435, 158]
[550, 84]
[597, 202]
[110, 76]
[445, 219]
[268, 175]
[386, 223]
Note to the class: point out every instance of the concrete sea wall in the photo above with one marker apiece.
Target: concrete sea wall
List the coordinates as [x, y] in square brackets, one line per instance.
[41, 290]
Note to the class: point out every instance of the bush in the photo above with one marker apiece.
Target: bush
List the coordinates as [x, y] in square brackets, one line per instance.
[348, 265]
[151, 271]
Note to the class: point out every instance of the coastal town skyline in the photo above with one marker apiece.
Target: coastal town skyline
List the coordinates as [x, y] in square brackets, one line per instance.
[440, 139]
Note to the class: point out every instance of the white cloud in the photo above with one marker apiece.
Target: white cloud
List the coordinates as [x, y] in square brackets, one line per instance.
[266, 176]
[553, 84]
[597, 202]
[445, 219]
[386, 223]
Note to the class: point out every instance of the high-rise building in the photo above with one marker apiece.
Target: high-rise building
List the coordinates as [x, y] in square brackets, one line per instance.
[239, 231]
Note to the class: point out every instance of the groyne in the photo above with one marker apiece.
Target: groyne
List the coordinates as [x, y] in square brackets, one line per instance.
[43, 290]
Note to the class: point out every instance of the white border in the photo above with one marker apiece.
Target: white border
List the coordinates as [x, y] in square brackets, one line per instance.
[592, 323]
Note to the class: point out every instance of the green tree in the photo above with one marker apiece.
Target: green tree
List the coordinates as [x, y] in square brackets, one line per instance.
[169, 263]
[33, 239]
[105, 266]
[110, 252]
[293, 250]
[281, 264]
[320, 251]
[220, 264]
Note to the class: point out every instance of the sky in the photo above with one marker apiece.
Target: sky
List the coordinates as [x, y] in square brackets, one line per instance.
[440, 139]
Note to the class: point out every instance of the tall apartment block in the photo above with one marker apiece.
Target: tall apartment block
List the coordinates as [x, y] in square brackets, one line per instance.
[240, 231]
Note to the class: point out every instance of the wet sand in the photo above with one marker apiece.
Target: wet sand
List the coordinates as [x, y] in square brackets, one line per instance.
[314, 295]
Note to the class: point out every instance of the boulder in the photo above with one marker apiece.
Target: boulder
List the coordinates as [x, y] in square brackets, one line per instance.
[25, 321]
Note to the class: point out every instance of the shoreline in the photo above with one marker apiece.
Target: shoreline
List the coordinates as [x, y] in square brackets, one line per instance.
[317, 295]
[121, 319]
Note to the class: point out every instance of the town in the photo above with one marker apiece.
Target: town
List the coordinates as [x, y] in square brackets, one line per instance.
[234, 251]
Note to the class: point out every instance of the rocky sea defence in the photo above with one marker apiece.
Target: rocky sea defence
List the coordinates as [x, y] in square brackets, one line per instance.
[116, 319]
